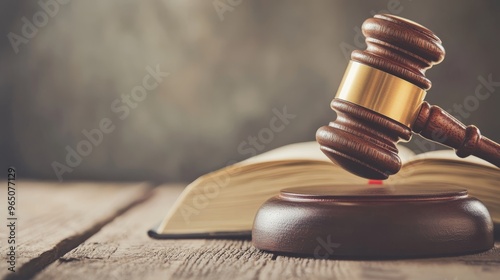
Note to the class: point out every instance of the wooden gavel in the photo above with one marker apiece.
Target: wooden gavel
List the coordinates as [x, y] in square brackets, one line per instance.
[380, 101]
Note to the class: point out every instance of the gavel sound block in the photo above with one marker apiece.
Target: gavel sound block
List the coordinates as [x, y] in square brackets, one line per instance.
[380, 101]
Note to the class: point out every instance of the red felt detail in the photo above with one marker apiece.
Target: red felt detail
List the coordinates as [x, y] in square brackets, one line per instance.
[375, 182]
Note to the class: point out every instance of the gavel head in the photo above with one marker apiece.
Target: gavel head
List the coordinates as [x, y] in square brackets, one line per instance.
[380, 96]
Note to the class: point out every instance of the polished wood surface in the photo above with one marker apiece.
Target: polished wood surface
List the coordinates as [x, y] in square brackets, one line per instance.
[373, 222]
[107, 240]
[436, 124]
[363, 141]
[400, 47]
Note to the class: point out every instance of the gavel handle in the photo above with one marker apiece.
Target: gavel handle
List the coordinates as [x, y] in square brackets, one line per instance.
[437, 125]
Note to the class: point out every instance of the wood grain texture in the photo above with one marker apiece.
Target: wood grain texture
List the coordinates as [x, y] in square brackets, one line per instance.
[54, 218]
[400, 47]
[362, 141]
[367, 222]
[444, 268]
[122, 250]
[438, 125]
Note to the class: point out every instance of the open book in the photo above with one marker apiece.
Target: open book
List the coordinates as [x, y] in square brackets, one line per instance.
[224, 203]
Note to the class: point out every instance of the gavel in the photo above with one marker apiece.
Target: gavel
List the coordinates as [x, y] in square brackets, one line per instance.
[380, 102]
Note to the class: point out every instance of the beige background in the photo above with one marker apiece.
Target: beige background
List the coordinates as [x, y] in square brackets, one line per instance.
[226, 77]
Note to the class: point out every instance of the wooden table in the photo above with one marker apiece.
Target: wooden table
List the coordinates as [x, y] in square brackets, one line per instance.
[98, 231]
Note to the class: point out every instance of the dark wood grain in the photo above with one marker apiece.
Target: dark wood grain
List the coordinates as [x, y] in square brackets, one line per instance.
[363, 141]
[369, 222]
[438, 125]
[400, 47]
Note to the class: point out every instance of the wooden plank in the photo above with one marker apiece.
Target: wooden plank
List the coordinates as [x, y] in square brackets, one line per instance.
[437, 268]
[54, 218]
[122, 250]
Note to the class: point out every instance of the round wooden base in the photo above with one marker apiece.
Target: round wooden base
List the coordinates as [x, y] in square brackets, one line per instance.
[373, 222]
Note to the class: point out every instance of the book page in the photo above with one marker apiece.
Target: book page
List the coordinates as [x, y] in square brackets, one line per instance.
[405, 154]
[298, 151]
[233, 195]
[309, 151]
[449, 155]
[445, 168]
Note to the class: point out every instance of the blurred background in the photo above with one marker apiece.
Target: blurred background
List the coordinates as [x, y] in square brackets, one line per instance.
[85, 92]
